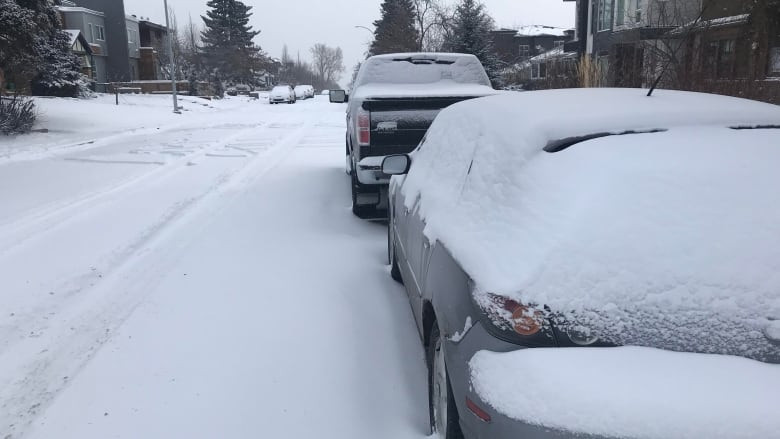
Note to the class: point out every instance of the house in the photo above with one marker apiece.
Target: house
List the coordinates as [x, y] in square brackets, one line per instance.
[91, 25]
[153, 46]
[121, 56]
[552, 69]
[723, 46]
[133, 45]
[623, 36]
[516, 45]
[80, 46]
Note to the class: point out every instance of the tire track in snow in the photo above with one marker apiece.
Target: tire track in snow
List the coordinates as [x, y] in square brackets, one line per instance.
[46, 219]
[41, 367]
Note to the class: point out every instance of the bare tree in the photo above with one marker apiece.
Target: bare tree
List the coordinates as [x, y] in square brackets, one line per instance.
[328, 62]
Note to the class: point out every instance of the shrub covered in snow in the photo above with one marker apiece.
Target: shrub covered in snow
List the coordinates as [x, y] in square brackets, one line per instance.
[17, 115]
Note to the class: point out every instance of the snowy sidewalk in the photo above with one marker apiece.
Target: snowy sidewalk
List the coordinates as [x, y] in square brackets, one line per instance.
[234, 298]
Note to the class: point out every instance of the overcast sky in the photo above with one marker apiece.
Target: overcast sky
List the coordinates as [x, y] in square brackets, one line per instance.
[302, 23]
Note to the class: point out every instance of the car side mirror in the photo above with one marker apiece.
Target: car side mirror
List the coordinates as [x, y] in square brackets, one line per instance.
[338, 96]
[396, 164]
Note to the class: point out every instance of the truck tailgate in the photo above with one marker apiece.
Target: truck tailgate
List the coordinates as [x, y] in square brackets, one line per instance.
[399, 124]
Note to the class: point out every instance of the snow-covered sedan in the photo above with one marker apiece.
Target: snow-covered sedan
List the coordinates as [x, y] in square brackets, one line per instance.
[595, 263]
[282, 94]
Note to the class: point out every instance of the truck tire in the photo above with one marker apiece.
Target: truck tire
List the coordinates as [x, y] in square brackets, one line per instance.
[359, 211]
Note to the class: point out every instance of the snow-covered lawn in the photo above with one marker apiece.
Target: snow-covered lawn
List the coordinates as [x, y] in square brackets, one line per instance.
[197, 275]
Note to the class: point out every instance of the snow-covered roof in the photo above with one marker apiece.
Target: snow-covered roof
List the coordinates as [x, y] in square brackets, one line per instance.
[73, 34]
[672, 236]
[731, 20]
[535, 30]
[79, 9]
[412, 68]
[435, 89]
[632, 392]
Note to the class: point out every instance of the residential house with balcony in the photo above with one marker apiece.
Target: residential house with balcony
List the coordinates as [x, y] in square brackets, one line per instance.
[91, 25]
[723, 46]
[153, 48]
[121, 55]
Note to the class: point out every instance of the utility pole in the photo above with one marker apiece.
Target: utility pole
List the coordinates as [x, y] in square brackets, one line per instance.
[173, 59]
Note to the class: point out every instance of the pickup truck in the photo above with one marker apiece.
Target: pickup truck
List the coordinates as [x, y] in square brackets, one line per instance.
[393, 101]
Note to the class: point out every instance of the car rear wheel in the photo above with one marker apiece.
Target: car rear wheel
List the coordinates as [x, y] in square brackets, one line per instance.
[395, 270]
[441, 403]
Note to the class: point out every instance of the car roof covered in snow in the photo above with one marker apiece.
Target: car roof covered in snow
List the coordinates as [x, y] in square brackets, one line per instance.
[683, 217]
[422, 68]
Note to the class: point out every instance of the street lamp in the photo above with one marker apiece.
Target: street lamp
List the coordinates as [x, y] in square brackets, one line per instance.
[363, 27]
[173, 59]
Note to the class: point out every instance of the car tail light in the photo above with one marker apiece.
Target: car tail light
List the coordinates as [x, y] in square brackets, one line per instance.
[363, 127]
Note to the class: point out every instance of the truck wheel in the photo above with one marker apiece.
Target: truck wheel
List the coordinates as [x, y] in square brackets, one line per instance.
[359, 211]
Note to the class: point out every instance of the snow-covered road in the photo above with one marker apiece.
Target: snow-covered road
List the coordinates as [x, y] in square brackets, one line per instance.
[199, 277]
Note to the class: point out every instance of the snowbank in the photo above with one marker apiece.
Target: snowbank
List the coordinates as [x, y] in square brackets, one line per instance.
[75, 123]
[667, 239]
[631, 392]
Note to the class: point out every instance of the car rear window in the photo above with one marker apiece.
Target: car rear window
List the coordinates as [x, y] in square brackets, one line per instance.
[422, 69]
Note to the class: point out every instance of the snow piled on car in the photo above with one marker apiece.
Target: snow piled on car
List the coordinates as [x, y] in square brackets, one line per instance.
[632, 392]
[667, 239]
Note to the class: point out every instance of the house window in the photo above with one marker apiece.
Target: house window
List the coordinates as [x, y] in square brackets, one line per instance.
[130, 36]
[91, 32]
[538, 70]
[558, 43]
[620, 16]
[774, 60]
[101, 33]
[638, 12]
[605, 15]
[525, 51]
[726, 58]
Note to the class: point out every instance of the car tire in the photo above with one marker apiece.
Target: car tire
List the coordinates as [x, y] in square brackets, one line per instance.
[392, 256]
[440, 399]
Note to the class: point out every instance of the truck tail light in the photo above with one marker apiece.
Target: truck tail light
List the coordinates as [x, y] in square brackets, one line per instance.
[363, 127]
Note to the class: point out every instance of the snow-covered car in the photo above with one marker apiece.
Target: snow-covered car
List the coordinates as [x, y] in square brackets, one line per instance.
[394, 99]
[304, 91]
[282, 94]
[640, 233]
[239, 89]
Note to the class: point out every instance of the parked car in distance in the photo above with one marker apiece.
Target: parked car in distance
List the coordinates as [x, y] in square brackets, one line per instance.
[589, 218]
[239, 90]
[282, 94]
[392, 103]
[304, 92]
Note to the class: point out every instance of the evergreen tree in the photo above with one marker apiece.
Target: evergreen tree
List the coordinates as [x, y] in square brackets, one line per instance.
[228, 48]
[32, 45]
[471, 34]
[395, 30]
